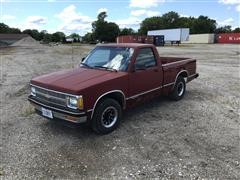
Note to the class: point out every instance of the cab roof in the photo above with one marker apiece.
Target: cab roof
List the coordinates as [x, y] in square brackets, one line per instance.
[130, 45]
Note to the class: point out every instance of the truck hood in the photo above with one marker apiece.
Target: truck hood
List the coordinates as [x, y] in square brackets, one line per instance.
[73, 80]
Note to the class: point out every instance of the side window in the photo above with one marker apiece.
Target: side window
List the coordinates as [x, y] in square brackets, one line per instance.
[145, 58]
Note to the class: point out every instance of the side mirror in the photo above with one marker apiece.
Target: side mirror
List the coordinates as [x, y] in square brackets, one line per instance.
[139, 67]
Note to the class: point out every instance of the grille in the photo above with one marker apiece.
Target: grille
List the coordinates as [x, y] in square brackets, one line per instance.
[51, 97]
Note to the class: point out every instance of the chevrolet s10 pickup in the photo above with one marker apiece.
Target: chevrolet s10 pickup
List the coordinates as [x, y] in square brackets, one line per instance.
[110, 79]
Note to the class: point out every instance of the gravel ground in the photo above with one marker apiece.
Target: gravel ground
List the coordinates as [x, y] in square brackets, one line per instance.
[195, 138]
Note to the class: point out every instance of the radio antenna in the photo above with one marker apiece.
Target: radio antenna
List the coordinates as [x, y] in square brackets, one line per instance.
[72, 54]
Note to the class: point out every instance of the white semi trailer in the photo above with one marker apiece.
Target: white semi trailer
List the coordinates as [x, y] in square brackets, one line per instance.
[172, 35]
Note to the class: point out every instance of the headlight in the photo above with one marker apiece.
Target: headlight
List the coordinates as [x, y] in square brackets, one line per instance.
[75, 102]
[33, 91]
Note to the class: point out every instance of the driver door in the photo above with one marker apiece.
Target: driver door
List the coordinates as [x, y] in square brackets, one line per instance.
[146, 78]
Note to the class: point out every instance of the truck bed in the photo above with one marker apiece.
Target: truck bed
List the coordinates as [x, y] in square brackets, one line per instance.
[173, 65]
[166, 60]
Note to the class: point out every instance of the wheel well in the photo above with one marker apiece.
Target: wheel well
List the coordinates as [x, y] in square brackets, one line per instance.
[183, 74]
[118, 96]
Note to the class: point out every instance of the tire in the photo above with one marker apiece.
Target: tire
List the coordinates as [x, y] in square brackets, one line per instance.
[107, 116]
[179, 89]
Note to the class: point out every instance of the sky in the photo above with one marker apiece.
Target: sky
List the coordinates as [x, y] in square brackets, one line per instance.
[76, 16]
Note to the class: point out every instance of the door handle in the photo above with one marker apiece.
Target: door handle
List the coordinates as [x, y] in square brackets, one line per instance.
[155, 70]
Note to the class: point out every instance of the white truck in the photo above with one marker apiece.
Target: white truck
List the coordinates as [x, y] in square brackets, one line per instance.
[172, 35]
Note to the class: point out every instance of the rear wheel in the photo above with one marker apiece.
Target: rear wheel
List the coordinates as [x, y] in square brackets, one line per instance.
[179, 89]
[107, 116]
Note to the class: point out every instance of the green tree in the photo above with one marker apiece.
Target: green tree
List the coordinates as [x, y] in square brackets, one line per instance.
[236, 30]
[166, 21]
[33, 33]
[170, 20]
[127, 31]
[224, 29]
[15, 31]
[36, 34]
[47, 38]
[42, 34]
[75, 37]
[6, 29]
[101, 16]
[186, 22]
[99, 26]
[58, 37]
[152, 23]
[88, 38]
[203, 24]
[112, 31]
[104, 31]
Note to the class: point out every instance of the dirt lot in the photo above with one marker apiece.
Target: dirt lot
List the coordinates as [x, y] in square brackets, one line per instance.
[195, 138]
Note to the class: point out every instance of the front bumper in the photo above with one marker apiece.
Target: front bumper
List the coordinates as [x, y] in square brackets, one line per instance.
[75, 117]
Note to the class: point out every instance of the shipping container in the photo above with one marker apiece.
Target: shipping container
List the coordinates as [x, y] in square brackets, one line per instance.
[231, 38]
[135, 39]
[172, 35]
[159, 40]
[141, 39]
[200, 39]
[149, 40]
[127, 39]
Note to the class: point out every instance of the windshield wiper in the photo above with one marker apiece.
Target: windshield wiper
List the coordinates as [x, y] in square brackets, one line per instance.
[107, 68]
[86, 65]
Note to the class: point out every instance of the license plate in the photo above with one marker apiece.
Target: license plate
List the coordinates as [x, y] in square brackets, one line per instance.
[47, 113]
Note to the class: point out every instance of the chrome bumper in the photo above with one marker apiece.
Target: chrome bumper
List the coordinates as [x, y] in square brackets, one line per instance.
[81, 118]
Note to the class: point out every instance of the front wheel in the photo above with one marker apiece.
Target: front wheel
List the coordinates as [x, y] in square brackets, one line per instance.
[179, 89]
[107, 116]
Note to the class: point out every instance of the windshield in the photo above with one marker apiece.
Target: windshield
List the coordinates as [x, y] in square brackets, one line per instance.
[110, 58]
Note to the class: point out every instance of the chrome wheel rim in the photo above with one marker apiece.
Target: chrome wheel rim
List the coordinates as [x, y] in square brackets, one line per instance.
[180, 88]
[109, 117]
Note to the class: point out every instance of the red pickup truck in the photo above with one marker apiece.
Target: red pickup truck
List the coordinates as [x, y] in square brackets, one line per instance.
[112, 78]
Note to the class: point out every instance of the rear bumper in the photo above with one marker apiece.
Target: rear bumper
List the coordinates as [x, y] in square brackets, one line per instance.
[59, 113]
[191, 77]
